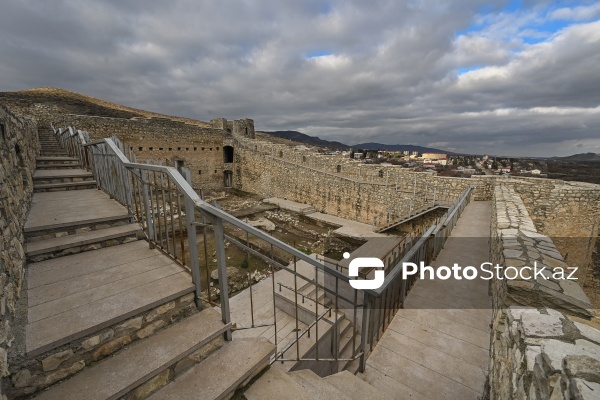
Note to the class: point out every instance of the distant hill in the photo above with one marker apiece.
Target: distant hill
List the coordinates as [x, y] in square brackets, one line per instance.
[316, 141]
[308, 140]
[398, 147]
[580, 157]
[69, 102]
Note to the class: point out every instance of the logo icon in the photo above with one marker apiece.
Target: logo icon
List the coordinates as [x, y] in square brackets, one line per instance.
[365, 262]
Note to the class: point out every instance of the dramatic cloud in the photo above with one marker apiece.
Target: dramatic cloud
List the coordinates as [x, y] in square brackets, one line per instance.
[466, 75]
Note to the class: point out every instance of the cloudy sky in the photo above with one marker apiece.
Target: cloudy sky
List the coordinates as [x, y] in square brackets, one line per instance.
[505, 77]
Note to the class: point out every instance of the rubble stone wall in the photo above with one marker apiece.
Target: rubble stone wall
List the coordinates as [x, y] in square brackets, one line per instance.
[19, 146]
[543, 345]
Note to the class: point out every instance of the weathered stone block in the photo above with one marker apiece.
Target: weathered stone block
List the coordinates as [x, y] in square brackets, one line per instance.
[53, 361]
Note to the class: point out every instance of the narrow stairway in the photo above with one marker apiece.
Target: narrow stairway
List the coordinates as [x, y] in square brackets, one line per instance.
[103, 309]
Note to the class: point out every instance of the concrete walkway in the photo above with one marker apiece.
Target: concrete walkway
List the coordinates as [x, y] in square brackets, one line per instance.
[437, 346]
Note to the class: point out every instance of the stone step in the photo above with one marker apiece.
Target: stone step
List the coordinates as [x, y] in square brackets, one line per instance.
[146, 359]
[315, 386]
[354, 386]
[54, 187]
[71, 244]
[276, 384]
[221, 373]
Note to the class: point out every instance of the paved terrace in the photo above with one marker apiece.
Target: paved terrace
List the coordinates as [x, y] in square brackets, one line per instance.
[437, 346]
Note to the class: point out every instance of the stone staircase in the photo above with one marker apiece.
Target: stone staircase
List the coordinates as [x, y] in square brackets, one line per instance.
[107, 317]
[305, 385]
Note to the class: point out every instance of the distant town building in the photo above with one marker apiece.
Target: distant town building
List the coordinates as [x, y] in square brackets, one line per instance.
[535, 172]
[435, 156]
[359, 155]
[406, 152]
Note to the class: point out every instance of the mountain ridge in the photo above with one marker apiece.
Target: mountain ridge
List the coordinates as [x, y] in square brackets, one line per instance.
[300, 137]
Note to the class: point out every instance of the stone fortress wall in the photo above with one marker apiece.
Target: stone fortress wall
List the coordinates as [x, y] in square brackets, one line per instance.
[19, 147]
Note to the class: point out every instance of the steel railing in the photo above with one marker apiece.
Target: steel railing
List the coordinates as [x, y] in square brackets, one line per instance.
[170, 212]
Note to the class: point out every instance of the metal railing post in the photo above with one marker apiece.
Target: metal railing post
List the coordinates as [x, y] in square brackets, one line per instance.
[364, 333]
[192, 243]
[149, 217]
[222, 268]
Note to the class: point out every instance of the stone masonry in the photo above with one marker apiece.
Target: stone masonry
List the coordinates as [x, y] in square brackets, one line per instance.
[542, 345]
[18, 149]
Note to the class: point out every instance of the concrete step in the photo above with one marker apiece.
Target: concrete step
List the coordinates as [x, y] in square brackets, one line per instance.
[355, 387]
[221, 373]
[77, 243]
[56, 159]
[72, 297]
[315, 386]
[55, 214]
[146, 359]
[54, 187]
[65, 165]
[48, 176]
[276, 384]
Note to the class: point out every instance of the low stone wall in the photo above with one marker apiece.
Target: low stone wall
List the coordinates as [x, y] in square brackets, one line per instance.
[540, 347]
[18, 148]
[29, 375]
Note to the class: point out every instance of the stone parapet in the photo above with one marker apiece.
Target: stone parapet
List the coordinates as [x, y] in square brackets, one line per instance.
[542, 345]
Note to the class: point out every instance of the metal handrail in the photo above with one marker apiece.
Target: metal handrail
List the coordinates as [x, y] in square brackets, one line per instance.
[121, 178]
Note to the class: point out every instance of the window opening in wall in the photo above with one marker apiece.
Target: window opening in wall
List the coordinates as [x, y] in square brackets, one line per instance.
[281, 154]
[203, 149]
[246, 131]
[303, 158]
[179, 164]
[227, 154]
[2, 131]
[195, 148]
[187, 148]
[215, 171]
[160, 148]
[381, 173]
[131, 148]
[199, 172]
[170, 148]
[217, 149]
[140, 148]
[210, 149]
[150, 148]
[338, 168]
[179, 149]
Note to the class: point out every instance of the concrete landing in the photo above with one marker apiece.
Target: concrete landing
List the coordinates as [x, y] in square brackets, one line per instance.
[290, 205]
[73, 296]
[437, 346]
[347, 227]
